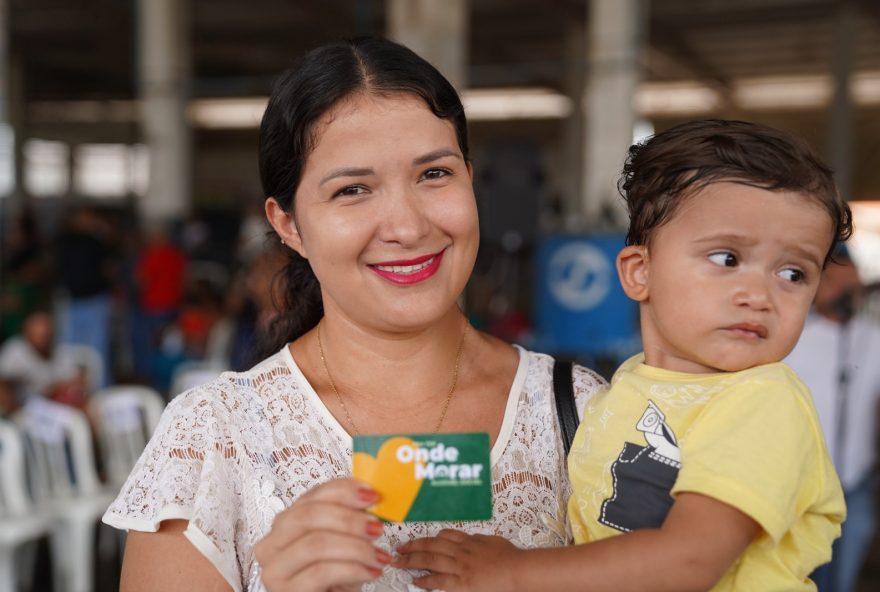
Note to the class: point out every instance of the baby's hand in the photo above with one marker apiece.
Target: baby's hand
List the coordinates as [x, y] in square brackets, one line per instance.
[460, 562]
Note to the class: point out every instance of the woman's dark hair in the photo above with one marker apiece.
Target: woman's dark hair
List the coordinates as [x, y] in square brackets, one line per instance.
[662, 173]
[301, 96]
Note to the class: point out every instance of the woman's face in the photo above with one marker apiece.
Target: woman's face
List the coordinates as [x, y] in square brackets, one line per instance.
[385, 213]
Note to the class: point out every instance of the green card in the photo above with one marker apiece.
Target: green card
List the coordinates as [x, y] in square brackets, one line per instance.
[425, 477]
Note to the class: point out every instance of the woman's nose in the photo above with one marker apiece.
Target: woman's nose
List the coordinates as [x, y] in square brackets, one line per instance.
[405, 220]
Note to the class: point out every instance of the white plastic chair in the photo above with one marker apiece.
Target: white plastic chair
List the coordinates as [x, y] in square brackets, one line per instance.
[124, 417]
[191, 374]
[218, 347]
[64, 483]
[20, 526]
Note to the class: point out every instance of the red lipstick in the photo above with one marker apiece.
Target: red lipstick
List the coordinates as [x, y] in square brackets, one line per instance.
[409, 271]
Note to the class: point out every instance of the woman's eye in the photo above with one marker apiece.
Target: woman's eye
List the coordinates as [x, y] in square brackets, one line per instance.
[792, 275]
[436, 173]
[350, 190]
[723, 258]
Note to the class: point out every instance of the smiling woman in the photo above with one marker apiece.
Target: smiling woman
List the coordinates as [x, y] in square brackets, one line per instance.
[247, 483]
[389, 178]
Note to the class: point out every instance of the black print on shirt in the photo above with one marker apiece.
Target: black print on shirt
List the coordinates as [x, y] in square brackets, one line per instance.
[643, 476]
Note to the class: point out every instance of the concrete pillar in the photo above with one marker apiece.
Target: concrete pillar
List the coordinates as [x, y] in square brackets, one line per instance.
[4, 61]
[7, 152]
[840, 121]
[437, 31]
[11, 116]
[164, 71]
[615, 37]
[72, 146]
[573, 125]
[17, 122]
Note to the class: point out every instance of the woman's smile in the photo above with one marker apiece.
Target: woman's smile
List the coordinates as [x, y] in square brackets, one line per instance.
[411, 271]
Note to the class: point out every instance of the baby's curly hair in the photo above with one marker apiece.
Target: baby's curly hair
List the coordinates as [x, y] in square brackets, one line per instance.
[663, 172]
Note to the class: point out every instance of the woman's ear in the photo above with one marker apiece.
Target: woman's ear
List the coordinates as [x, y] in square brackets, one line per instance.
[632, 268]
[285, 226]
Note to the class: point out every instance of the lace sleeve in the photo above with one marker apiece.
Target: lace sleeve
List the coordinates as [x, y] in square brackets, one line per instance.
[186, 472]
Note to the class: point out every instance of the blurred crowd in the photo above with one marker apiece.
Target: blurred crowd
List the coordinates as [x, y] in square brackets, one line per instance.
[99, 300]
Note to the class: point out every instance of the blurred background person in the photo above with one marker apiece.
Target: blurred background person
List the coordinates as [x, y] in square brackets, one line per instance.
[8, 399]
[32, 366]
[836, 357]
[83, 269]
[23, 274]
[253, 302]
[160, 275]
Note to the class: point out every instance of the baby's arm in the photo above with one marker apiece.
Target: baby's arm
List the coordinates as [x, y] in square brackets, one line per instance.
[699, 540]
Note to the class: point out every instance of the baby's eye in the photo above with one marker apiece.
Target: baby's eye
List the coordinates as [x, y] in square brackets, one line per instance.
[723, 258]
[350, 190]
[792, 275]
[436, 173]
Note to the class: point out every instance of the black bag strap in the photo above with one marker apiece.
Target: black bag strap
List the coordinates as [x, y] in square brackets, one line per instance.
[563, 391]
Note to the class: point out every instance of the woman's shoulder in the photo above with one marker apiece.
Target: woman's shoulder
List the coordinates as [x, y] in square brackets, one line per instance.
[259, 412]
[539, 382]
[541, 370]
[233, 392]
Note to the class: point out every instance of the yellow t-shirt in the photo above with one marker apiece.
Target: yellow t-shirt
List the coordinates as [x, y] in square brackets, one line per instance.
[750, 439]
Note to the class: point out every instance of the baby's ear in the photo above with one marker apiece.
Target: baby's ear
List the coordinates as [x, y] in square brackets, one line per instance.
[632, 268]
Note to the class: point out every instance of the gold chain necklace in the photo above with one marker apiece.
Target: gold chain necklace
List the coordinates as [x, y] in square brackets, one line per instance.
[342, 404]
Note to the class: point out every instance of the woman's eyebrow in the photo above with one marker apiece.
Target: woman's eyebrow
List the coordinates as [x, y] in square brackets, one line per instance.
[346, 172]
[436, 155]
[363, 172]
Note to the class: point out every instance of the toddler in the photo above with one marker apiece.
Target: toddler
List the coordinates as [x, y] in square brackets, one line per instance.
[706, 453]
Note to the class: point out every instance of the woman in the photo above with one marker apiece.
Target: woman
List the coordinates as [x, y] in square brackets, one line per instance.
[364, 162]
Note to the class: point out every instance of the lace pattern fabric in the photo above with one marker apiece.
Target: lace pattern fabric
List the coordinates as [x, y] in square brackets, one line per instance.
[229, 455]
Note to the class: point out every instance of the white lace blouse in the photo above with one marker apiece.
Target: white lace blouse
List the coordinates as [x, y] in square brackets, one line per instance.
[229, 455]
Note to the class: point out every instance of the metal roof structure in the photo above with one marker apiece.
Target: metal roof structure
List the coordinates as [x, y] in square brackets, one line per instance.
[770, 60]
[86, 48]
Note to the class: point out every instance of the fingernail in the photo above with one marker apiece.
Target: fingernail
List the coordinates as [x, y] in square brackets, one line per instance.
[374, 528]
[383, 557]
[368, 495]
[376, 571]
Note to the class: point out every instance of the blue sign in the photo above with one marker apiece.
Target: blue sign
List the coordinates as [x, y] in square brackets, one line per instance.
[581, 308]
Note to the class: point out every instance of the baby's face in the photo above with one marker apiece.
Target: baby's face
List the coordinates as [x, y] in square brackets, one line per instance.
[731, 277]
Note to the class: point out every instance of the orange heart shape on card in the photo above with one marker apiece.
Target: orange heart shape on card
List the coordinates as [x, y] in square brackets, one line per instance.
[363, 466]
[393, 478]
